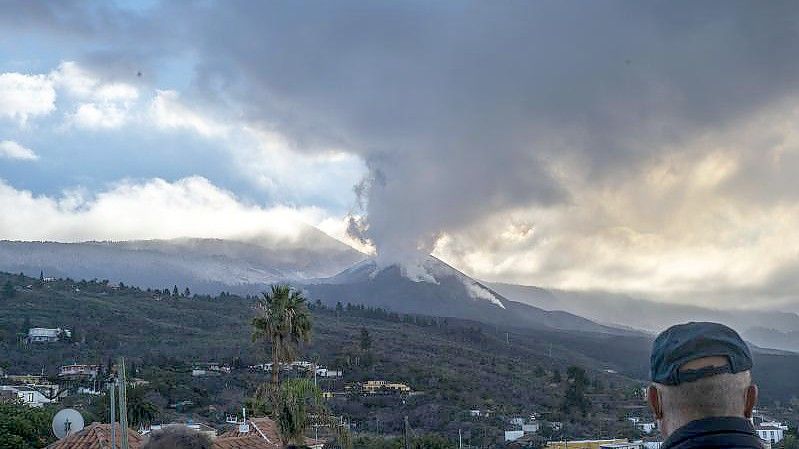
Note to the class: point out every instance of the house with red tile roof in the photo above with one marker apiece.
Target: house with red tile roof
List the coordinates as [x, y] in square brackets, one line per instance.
[98, 436]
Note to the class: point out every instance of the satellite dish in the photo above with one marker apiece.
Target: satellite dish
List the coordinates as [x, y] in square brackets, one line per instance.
[66, 422]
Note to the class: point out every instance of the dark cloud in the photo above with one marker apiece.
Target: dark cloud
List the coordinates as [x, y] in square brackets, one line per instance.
[463, 110]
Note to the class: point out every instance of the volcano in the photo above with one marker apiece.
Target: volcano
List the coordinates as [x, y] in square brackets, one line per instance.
[436, 288]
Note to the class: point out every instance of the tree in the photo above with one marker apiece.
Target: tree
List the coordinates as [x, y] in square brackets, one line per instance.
[431, 441]
[366, 340]
[140, 410]
[790, 442]
[175, 291]
[23, 427]
[298, 401]
[8, 290]
[556, 376]
[285, 322]
[187, 292]
[575, 393]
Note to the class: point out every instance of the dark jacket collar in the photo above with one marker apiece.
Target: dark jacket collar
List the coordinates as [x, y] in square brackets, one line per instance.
[718, 432]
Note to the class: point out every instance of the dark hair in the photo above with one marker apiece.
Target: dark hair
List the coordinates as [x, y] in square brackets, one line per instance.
[177, 437]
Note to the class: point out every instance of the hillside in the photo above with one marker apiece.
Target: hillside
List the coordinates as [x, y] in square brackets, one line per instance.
[441, 290]
[204, 265]
[769, 329]
[457, 364]
[474, 365]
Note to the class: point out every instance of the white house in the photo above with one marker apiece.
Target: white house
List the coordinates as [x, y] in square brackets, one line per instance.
[530, 427]
[517, 421]
[329, 373]
[45, 335]
[646, 427]
[30, 396]
[513, 435]
[772, 432]
[79, 371]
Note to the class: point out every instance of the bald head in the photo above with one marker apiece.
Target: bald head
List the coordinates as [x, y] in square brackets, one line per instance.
[177, 437]
[725, 394]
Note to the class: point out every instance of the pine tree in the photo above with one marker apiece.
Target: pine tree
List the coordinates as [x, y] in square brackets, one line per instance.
[8, 290]
[187, 292]
[366, 340]
[175, 292]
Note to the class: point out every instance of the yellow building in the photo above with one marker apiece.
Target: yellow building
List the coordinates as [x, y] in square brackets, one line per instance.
[374, 386]
[583, 444]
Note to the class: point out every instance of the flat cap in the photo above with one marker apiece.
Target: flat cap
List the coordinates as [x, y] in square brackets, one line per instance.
[684, 343]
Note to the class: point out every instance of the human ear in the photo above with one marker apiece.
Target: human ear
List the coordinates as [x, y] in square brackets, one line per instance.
[653, 399]
[751, 400]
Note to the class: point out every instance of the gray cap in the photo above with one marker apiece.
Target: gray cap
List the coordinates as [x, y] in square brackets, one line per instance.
[683, 343]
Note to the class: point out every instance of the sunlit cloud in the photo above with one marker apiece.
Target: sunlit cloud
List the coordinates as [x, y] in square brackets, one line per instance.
[12, 150]
[24, 96]
[155, 208]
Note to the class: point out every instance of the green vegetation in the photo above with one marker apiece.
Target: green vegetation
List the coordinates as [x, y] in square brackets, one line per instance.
[23, 427]
[452, 365]
[426, 441]
[284, 321]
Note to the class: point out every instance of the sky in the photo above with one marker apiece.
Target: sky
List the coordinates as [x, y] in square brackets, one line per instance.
[646, 148]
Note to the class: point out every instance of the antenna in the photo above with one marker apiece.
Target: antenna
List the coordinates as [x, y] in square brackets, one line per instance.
[113, 414]
[66, 422]
[244, 427]
[123, 405]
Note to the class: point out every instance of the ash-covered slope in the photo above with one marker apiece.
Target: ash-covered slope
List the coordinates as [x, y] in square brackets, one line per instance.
[437, 289]
[204, 265]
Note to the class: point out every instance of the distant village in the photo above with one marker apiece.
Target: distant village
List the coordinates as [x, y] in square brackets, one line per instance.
[535, 429]
[38, 390]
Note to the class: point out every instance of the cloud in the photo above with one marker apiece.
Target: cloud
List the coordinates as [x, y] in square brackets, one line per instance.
[24, 96]
[714, 219]
[621, 146]
[12, 150]
[467, 111]
[155, 208]
[94, 103]
[99, 104]
[167, 111]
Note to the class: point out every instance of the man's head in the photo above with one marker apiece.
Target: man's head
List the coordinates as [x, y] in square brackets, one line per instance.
[177, 437]
[700, 370]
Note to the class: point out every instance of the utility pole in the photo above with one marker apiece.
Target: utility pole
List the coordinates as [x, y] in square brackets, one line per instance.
[460, 439]
[113, 415]
[123, 404]
[407, 434]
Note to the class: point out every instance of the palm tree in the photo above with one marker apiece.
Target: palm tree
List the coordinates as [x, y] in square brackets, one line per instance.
[298, 401]
[140, 410]
[285, 321]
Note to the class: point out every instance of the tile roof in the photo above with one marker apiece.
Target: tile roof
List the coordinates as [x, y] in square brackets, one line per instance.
[263, 434]
[264, 428]
[244, 442]
[97, 436]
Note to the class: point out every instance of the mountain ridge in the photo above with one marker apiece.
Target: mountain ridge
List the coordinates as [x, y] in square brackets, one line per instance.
[445, 292]
[767, 329]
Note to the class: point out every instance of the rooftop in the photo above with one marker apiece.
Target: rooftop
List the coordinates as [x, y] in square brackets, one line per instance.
[97, 436]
